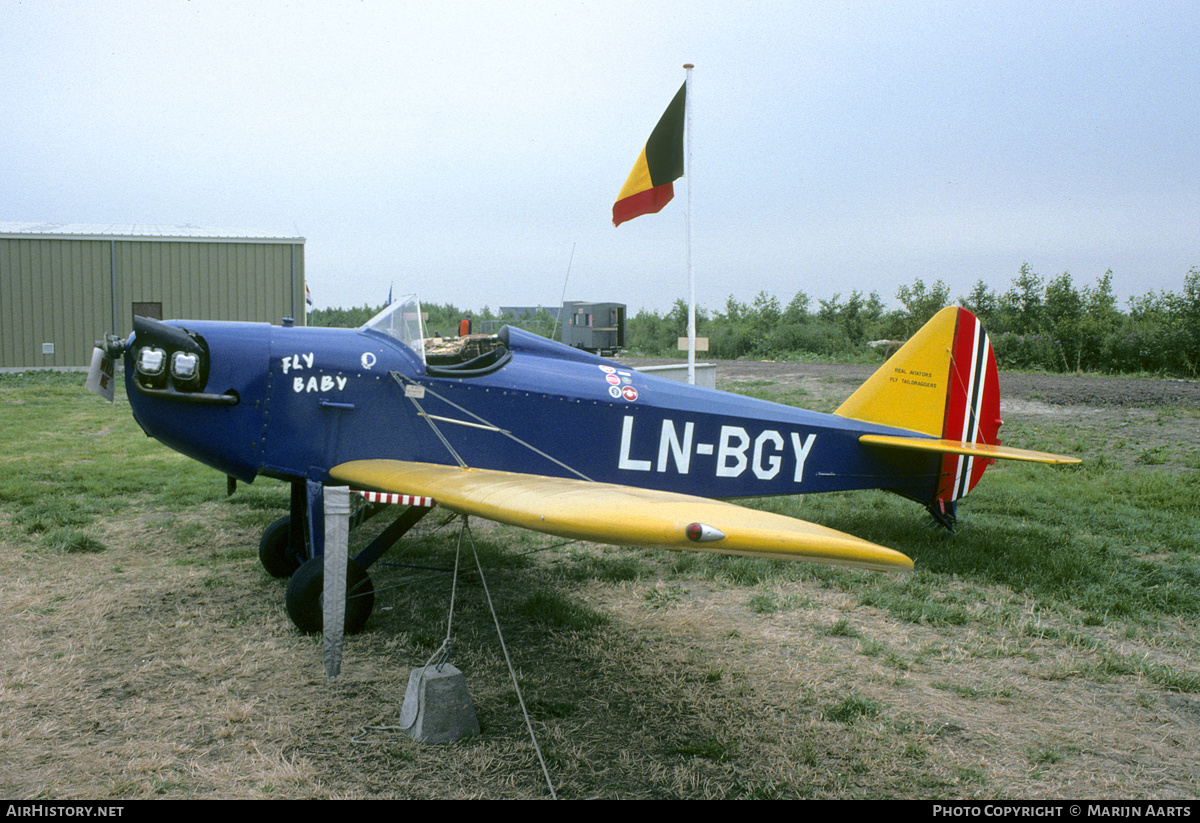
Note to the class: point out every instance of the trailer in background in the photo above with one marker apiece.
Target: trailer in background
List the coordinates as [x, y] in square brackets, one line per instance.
[594, 327]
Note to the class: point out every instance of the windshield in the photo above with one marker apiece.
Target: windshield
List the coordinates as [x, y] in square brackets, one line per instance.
[402, 320]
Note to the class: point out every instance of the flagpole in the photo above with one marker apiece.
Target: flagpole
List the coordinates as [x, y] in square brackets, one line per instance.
[691, 275]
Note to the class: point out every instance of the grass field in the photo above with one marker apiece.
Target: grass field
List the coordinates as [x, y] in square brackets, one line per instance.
[1049, 649]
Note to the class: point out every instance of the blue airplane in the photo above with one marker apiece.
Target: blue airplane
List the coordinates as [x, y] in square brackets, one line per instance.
[540, 435]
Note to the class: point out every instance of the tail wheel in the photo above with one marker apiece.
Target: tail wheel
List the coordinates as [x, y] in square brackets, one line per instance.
[306, 589]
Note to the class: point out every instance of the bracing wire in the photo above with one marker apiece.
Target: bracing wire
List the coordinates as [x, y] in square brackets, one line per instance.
[564, 293]
[442, 653]
[508, 660]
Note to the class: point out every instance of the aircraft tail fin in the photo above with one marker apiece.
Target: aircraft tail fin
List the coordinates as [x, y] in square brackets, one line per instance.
[941, 383]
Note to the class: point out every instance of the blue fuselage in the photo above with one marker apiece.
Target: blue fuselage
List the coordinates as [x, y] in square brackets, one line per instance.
[308, 399]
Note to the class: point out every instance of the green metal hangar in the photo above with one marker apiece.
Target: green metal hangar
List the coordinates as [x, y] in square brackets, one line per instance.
[63, 286]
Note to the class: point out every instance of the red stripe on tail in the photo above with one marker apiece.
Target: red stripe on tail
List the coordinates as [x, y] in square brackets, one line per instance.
[972, 405]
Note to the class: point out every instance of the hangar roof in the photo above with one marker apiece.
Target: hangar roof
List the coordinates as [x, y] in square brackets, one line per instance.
[141, 231]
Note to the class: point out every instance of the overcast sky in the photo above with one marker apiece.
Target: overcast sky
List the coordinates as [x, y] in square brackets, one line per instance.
[465, 150]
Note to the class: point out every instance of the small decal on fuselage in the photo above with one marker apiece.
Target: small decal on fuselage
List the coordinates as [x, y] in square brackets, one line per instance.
[765, 454]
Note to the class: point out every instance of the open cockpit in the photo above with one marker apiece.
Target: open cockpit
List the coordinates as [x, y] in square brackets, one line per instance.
[472, 355]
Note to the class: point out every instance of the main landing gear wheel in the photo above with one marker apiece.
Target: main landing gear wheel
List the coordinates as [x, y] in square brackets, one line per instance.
[307, 587]
[275, 551]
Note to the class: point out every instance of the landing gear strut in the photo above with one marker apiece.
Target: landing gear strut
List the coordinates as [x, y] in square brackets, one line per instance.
[275, 551]
[284, 543]
[286, 550]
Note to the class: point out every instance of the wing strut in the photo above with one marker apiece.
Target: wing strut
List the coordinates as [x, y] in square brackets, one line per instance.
[462, 464]
[482, 424]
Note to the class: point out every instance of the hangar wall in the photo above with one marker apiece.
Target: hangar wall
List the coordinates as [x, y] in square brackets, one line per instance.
[61, 289]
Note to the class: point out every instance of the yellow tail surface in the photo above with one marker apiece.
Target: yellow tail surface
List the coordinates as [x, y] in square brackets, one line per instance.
[942, 383]
[910, 390]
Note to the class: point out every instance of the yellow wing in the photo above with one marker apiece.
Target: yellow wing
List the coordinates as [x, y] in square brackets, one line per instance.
[619, 515]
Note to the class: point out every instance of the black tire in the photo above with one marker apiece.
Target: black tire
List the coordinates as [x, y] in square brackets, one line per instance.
[275, 549]
[305, 590]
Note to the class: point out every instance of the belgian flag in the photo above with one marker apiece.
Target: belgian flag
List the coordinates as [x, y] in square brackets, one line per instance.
[649, 186]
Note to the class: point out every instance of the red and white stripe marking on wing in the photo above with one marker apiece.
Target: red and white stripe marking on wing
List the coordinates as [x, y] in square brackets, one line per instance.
[396, 499]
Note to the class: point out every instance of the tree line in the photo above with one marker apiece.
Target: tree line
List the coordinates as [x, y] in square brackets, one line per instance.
[1036, 324]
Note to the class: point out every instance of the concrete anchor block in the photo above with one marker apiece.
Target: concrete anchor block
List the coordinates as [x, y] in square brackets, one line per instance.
[437, 706]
